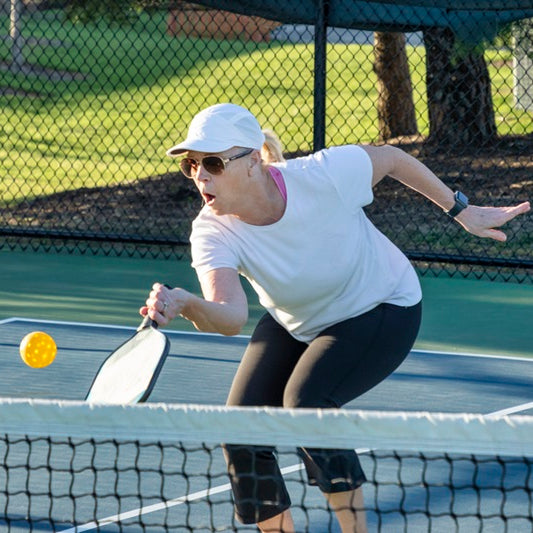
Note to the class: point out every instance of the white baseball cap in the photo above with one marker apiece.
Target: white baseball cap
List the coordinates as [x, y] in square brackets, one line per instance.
[220, 127]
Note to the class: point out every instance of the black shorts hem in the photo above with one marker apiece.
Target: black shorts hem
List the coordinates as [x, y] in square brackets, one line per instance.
[340, 486]
[266, 512]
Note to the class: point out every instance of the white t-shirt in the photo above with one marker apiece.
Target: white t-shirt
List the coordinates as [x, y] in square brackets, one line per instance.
[324, 261]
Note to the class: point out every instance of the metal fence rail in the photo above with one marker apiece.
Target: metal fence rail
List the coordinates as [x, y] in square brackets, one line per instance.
[90, 103]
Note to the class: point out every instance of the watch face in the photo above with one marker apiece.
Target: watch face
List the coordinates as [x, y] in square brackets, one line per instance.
[461, 198]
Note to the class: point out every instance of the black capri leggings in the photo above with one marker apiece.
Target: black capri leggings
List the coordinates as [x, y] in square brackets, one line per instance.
[341, 363]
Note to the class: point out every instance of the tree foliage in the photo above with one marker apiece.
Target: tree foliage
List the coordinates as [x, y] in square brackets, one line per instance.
[118, 11]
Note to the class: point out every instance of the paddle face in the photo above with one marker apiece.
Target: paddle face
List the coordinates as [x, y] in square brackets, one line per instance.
[129, 374]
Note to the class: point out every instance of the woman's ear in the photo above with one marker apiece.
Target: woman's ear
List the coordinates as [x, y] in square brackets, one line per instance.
[254, 162]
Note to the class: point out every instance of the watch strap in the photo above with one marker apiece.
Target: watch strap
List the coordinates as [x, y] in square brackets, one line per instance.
[461, 202]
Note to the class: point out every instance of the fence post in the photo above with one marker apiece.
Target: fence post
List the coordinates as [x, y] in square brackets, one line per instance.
[321, 40]
[17, 59]
[523, 64]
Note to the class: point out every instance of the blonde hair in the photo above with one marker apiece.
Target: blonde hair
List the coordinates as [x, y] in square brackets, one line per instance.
[272, 150]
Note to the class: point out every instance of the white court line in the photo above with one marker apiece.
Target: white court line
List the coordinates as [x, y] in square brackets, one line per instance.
[164, 505]
[64, 323]
[217, 335]
[110, 326]
[510, 410]
[471, 354]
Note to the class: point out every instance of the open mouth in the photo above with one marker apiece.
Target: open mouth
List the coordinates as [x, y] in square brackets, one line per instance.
[209, 198]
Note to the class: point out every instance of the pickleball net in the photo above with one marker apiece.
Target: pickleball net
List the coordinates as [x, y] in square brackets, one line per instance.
[71, 466]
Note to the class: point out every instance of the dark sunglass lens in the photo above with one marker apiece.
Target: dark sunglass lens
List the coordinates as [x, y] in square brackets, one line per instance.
[213, 164]
[188, 166]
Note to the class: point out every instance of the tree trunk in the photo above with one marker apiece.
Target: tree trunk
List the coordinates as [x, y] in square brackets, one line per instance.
[460, 106]
[396, 110]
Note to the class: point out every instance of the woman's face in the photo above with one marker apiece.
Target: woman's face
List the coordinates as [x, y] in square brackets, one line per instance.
[224, 193]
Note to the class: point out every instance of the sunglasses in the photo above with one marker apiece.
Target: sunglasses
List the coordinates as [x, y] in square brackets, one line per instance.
[212, 163]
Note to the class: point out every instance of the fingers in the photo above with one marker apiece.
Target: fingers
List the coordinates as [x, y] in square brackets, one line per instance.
[155, 315]
[516, 210]
[158, 305]
[495, 234]
[524, 207]
[507, 214]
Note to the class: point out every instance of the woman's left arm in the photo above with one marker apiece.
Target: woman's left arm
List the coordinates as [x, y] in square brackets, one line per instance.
[480, 221]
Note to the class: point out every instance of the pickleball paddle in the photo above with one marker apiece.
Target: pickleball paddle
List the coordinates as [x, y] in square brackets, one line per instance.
[128, 375]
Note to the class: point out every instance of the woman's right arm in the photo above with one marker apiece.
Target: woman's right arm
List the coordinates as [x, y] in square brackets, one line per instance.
[223, 308]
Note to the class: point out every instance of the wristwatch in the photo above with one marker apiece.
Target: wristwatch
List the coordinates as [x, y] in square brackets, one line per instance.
[461, 202]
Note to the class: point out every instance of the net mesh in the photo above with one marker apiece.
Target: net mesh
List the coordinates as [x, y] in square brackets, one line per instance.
[70, 466]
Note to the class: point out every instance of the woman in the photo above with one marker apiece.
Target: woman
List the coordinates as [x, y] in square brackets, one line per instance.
[343, 303]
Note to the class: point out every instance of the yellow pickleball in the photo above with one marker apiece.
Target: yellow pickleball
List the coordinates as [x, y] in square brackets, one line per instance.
[38, 349]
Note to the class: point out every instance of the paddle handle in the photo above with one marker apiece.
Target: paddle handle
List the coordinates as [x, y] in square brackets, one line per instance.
[147, 323]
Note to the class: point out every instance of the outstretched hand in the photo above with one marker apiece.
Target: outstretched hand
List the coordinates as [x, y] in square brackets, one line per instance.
[482, 221]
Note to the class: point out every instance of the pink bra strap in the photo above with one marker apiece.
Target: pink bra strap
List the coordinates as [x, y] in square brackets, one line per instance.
[277, 176]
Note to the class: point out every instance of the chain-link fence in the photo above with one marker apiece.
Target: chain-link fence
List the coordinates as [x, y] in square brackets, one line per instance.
[90, 102]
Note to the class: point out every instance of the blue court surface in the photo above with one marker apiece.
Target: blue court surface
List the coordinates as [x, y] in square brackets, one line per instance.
[199, 370]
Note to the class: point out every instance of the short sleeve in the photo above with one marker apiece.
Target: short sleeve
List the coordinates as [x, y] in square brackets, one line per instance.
[209, 247]
[350, 170]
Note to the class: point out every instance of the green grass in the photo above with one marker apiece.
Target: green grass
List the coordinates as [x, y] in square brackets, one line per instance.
[141, 87]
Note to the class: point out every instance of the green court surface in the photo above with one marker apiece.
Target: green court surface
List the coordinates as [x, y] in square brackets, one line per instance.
[469, 316]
